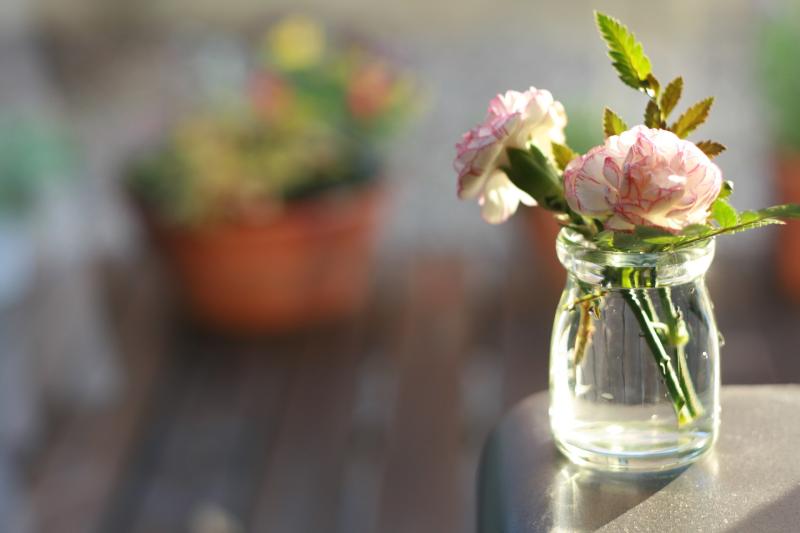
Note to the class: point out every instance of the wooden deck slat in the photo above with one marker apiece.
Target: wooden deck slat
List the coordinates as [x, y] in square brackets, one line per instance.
[362, 427]
[78, 470]
[221, 413]
[420, 488]
[303, 472]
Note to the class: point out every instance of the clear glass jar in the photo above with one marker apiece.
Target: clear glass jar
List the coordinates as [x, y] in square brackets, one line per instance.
[634, 373]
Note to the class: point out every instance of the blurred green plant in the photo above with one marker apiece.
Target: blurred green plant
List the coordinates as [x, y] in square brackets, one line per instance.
[313, 116]
[33, 155]
[778, 53]
[582, 131]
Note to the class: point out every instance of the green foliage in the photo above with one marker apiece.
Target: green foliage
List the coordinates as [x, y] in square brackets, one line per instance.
[728, 222]
[670, 97]
[314, 115]
[711, 148]
[634, 70]
[627, 54]
[582, 132]
[531, 171]
[726, 190]
[692, 118]
[652, 87]
[779, 74]
[217, 166]
[33, 155]
[652, 115]
[724, 214]
[612, 124]
[562, 155]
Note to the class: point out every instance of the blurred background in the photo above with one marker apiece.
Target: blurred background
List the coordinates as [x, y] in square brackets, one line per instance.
[237, 292]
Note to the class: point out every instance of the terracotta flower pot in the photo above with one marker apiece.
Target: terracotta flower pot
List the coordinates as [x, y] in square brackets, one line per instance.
[309, 264]
[787, 175]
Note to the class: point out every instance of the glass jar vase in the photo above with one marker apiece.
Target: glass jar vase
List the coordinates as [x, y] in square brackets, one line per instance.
[634, 373]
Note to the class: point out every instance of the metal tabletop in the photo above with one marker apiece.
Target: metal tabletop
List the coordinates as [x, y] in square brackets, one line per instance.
[749, 482]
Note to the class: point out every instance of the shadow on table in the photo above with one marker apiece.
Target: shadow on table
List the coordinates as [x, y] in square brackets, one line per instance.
[765, 518]
[525, 485]
[558, 496]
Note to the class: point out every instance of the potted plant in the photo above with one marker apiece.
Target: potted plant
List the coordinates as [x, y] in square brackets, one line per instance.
[265, 207]
[778, 53]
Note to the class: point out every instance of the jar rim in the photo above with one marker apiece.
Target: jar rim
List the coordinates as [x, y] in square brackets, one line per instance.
[592, 265]
[573, 239]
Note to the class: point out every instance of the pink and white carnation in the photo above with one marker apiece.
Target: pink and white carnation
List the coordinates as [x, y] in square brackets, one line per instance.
[645, 177]
[514, 120]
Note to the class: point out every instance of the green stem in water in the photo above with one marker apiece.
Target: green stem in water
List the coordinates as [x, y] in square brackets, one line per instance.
[636, 301]
[678, 336]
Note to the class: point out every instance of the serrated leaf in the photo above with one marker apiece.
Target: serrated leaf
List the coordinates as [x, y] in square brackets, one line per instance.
[626, 241]
[711, 148]
[627, 55]
[781, 211]
[531, 171]
[692, 118]
[649, 232]
[726, 189]
[694, 230]
[604, 237]
[652, 115]
[747, 220]
[652, 235]
[670, 97]
[652, 87]
[664, 239]
[745, 217]
[724, 213]
[739, 228]
[612, 124]
[562, 155]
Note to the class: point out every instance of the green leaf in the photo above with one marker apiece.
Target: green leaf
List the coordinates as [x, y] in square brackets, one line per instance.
[652, 115]
[671, 96]
[627, 55]
[724, 213]
[612, 124]
[760, 223]
[531, 171]
[726, 190]
[692, 118]
[563, 155]
[711, 148]
[695, 230]
[781, 211]
[747, 220]
[626, 241]
[604, 239]
[649, 232]
[653, 88]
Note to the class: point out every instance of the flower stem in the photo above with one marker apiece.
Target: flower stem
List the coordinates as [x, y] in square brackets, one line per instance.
[636, 300]
[679, 337]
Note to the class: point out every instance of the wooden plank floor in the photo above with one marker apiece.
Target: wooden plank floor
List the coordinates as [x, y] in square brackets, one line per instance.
[373, 425]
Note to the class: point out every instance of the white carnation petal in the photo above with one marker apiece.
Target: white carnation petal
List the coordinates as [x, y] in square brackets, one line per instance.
[500, 198]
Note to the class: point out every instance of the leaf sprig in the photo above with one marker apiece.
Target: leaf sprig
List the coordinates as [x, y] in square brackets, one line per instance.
[541, 176]
[635, 70]
[727, 221]
[626, 53]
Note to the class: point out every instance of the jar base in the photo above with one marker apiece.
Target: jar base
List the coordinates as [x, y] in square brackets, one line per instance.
[637, 461]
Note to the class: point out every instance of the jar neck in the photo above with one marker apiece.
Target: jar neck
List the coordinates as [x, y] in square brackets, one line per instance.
[619, 270]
